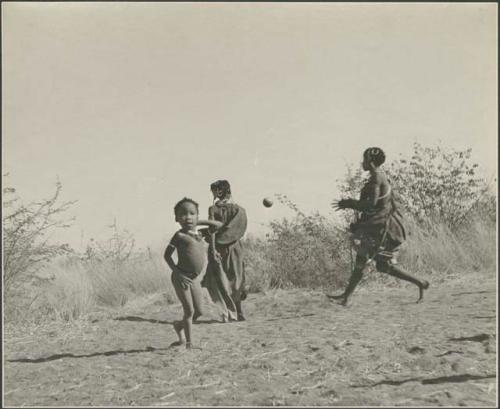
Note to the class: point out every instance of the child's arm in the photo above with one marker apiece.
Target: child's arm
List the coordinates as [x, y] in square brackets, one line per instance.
[212, 252]
[169, 251]
[366, 204]
[214, 224]
[168, 256]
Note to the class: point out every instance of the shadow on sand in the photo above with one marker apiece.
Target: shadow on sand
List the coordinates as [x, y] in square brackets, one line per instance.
[153, 321]
[69, 355]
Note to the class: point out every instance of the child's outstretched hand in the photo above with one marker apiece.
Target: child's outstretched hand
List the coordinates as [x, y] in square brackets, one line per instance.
[205, 233]
[344, 204]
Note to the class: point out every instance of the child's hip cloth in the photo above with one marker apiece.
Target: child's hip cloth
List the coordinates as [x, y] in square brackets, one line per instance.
[182, 279]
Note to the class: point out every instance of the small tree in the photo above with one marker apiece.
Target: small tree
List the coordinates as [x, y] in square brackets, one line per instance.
[117, 249]
[26, 240]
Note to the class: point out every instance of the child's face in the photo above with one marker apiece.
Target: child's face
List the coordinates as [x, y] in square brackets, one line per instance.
[218, 193]
[187, 216]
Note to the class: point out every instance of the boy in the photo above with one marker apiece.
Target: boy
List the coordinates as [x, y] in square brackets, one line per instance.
[191, 254]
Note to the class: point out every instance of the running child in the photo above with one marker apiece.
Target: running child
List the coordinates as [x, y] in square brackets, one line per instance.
[379, 231]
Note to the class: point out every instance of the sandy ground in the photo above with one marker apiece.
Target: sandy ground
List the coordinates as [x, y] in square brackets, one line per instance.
[296, 348]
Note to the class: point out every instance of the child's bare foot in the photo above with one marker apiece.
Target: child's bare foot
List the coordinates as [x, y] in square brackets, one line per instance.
[196, 316]
[176, 344]
[336, 297]
[225, 319]
[178, 327]
[421, 288]
[345, 302]
[340, 299]
[189, 345]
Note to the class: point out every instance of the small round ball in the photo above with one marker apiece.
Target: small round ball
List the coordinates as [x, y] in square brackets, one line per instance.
[267, 202]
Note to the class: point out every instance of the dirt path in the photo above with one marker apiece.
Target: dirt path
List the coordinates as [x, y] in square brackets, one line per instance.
[296, 348]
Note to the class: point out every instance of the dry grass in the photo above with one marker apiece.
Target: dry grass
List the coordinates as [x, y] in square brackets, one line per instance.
[75, 288]
[442, 252]
[298, 256]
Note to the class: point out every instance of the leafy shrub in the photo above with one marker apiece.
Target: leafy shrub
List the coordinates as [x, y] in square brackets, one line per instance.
[306, 251]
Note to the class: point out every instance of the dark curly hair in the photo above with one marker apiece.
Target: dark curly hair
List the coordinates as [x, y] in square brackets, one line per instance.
[221, 184]
[185, 200]
[375, 155]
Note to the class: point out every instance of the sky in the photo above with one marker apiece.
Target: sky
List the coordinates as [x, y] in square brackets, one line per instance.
[132, 106]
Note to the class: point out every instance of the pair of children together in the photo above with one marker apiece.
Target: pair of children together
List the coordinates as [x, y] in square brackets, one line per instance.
[191, 254]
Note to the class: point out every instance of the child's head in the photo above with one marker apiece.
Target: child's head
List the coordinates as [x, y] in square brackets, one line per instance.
[186, 213]
[221, 189]
[375, 156]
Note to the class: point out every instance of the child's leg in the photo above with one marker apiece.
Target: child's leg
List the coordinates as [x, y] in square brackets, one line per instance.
[236, 295]
[239, 311]
[356, 277]
[178, 326]
[354, 280]
[184, 295]
[197, 297]
[385, 266]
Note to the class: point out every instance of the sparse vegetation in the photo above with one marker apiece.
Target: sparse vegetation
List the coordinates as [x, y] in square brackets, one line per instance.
[104, 311]
[450, 215]
[26, 229]
[109, 274]
[27, 245]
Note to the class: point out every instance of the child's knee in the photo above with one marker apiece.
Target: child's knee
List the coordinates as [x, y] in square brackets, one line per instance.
[188, 312]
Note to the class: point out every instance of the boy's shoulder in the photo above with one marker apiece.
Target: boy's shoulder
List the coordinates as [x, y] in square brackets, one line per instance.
[179, 235]
[378, 178]
[175, 236]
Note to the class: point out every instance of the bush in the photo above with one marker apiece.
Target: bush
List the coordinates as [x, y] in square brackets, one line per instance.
[450, 218]
[307, 251]
[26, 229]
[117, 249]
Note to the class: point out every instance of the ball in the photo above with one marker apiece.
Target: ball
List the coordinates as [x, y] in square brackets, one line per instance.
[267, 202]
